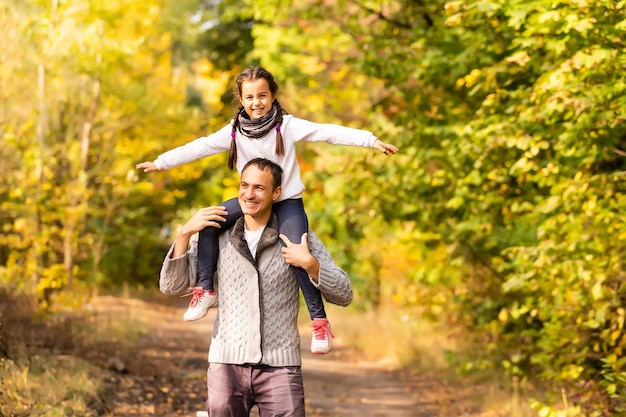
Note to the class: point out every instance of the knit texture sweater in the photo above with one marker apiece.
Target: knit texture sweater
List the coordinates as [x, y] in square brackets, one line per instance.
[258, 300]
[293, 130]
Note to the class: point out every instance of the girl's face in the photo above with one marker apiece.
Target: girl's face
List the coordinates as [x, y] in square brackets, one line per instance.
[256, 97]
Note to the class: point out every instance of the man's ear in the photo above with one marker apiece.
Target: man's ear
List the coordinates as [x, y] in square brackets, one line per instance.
[277, 193]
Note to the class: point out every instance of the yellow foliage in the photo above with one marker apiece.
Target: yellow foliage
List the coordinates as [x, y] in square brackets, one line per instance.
[211, 82]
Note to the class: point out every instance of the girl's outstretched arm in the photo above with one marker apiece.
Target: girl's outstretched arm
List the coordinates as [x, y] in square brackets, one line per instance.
[385, 147]
[147, 166]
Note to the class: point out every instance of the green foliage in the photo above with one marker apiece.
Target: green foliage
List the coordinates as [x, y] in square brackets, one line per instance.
[510, 120]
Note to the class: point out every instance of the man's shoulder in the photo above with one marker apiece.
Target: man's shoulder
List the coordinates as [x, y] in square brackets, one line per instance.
[313, 237]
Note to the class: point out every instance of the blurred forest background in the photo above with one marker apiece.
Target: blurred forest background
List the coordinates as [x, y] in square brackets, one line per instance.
[503, 215]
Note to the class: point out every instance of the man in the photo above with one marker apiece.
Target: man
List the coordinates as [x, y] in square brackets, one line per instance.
[255, 350]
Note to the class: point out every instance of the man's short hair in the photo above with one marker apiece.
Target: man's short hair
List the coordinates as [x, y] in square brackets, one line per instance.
[263, 164]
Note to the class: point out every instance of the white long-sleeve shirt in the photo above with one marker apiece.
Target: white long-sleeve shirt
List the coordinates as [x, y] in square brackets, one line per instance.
[293, 130]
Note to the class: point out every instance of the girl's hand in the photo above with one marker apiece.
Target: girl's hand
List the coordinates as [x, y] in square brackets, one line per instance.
[147, 166]
[385, 147]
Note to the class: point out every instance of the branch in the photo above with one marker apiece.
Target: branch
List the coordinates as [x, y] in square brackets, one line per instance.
[380, 14]
[619, 152]
[426, 16]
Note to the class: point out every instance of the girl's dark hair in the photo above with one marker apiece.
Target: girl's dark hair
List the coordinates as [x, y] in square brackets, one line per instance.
[251, 74]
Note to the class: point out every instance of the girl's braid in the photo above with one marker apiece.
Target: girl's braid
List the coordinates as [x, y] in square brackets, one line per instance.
[232, 154]
[280, 147]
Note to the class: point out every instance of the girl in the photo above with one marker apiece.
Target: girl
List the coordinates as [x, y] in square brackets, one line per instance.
[262, 129]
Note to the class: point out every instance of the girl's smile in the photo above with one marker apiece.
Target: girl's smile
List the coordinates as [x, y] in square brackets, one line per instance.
[256, 97]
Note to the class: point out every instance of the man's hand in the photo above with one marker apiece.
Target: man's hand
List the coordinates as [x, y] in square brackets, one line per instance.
[300, 256]
[147, 166]
[208, 216]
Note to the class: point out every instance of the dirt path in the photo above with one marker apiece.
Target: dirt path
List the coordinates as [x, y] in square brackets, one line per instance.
[165, 369]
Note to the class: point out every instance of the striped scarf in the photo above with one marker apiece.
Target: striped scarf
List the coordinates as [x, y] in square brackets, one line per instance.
[258, 128]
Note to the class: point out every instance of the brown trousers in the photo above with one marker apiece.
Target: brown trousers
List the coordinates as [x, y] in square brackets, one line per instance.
[232, 390]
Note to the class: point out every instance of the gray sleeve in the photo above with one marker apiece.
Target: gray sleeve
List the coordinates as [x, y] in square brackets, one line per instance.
[178, 274]
[334, 283]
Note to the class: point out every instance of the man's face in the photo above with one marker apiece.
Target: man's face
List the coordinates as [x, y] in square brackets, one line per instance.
[256, 193]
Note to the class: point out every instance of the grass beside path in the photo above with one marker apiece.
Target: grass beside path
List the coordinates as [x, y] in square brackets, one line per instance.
[404, 341]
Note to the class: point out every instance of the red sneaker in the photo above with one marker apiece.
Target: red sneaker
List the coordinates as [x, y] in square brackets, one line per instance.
[321, 337]
[201, 301]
